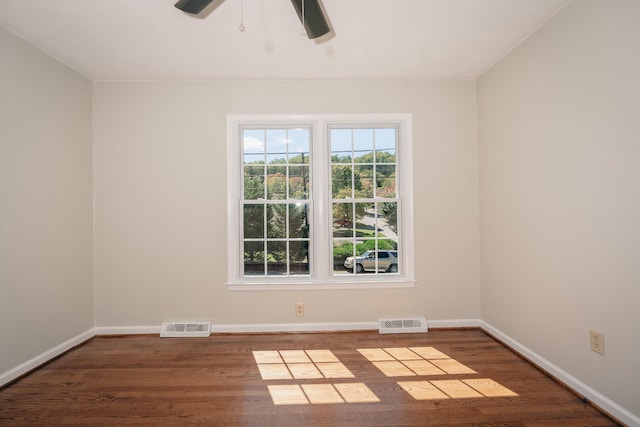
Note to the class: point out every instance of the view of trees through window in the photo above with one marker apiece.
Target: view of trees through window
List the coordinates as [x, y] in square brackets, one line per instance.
[276, 229]
[361, 169]
[364, 200]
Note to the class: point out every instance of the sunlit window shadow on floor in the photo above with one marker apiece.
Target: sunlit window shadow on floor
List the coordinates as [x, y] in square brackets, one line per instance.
[392, 362]
[321, 393]
[300, 364]
[412, 361]
[455, 389]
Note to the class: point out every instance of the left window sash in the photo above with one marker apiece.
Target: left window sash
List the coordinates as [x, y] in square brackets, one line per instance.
[275, 201]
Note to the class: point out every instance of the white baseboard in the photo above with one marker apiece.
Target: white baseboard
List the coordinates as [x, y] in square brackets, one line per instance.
[249, 328]
[43, 358]
[336, 326]
[294, 327]
[127, 330]
[454, 323]
[594, 396]
[285, 327]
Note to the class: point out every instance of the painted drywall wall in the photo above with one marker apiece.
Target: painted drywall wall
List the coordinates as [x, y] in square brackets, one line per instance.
[160, 191]
[46, 282]
[559, 144]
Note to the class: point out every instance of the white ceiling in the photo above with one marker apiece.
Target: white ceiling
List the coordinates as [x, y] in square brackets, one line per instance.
[152, 40]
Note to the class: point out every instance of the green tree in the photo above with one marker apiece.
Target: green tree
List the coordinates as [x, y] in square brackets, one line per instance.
[343, 211]
[341, 179]
[276, 186]
[276, 221]
[390, 212]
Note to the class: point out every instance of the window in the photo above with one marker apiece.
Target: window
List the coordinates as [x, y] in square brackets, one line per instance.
[364, 198]
[275, 201]
[319, 201]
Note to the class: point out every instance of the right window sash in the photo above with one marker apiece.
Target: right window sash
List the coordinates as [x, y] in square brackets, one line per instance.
[365, 202]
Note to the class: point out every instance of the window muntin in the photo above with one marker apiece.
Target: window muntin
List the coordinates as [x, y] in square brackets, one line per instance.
[276, 194]
[265, 234]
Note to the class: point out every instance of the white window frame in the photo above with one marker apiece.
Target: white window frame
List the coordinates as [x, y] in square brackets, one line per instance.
[321, 276]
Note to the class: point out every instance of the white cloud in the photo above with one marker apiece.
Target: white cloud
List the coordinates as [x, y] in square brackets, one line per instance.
[253, 145]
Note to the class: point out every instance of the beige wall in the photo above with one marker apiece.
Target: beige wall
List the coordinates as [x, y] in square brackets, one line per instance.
[160, 188]
[559, 146]
[46, 284]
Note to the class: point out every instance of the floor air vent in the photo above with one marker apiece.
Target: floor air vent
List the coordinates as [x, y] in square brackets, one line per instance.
[399, 326]
[195, 329]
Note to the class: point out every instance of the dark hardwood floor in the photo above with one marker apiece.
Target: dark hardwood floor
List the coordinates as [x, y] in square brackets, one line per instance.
[443, 377]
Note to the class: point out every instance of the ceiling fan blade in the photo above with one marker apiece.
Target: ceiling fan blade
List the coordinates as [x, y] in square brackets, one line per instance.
[315, 22]
[192, 6]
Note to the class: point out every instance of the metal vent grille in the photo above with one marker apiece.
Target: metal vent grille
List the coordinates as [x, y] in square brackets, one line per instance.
[194, 329]
[397, 326]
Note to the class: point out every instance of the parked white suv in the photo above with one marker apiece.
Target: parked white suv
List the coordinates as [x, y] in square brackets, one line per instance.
[386, 260]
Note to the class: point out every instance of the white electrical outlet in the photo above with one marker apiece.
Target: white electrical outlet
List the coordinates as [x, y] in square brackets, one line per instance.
[596, 339]
[299, 309]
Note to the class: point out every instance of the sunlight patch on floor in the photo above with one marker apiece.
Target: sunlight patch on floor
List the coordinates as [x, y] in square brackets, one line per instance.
[390, 361]
[489, 387]
[455, 389]
[300, 364]
[394, 369]
[321, 394]
[422, 390]
[287, 395]
[274, 372]
[452, 366]
[411, 361]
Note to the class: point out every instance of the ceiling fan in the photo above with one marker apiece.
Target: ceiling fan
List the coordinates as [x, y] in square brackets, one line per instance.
[309, 11]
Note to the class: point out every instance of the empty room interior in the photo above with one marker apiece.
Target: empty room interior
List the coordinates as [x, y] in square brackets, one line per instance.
[469, 167]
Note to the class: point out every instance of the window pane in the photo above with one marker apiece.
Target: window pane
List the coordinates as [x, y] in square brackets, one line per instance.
[276, 258]
[341, 145]
[341, 182]
[298, 182]
[276, 221]
[342, 219]
[388, 219]
[276, 146]
[385, 138]
[389, 256]
[299, 256]
[363, 181]
[253, 258]
[253, 182]
[386, 181]
[253, 221]
[365, 221]
[363, 144]
[298, 221]
[276, 182]
[299, 146]
[253, 141]
[342, 250]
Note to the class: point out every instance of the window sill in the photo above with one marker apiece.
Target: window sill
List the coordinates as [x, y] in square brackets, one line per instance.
[327, 285]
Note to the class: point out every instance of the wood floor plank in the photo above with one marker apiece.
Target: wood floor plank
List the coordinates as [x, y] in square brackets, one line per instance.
[232, 379]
